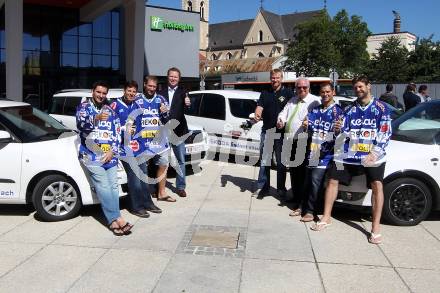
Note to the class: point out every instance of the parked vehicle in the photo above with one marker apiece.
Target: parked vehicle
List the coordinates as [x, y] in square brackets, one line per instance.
[412, 172]
[63, 108]
[43, 169]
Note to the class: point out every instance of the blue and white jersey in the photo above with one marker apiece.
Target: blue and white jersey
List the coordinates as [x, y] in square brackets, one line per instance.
[151, 135]
[320, 126]
[123, 111]
[97, 137]
[367, 130]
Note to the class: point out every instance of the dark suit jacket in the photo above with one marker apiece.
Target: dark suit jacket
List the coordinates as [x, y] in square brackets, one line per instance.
[177, 109]
[411, 100]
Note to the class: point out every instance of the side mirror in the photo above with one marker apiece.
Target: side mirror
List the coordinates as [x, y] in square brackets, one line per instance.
[252, 116]
[5, 137]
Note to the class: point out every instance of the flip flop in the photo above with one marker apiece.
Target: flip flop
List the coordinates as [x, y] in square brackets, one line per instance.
[307, 218]
[295, 213]
[375, 238]
[126, 229]
[117, 231]
[166, 198]
[319, 226]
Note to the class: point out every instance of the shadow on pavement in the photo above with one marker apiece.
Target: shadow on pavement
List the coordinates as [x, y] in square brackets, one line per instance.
[16, 210]
[245, 184]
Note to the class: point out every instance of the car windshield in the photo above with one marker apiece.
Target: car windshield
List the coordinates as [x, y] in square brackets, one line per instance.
[421, 124]
[241, 108]
[30, 124]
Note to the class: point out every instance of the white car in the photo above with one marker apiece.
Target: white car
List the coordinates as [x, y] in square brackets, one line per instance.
[412, 171]
[39, 163]
[63, 108]
[222, 113]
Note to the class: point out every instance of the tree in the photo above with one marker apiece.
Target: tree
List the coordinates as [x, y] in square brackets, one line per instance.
[323, 43]
[390, 63]
[425, 61]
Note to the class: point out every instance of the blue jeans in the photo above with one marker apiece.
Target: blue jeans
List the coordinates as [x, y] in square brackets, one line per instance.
[180, 152]
[107, 190]
[314, 191]
[264, 172]
[138, 192]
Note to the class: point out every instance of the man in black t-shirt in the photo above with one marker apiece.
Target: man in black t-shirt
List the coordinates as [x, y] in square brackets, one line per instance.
[389, 97]
[269, 105]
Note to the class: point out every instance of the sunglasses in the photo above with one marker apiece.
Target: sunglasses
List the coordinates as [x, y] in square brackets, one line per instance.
[302, 87]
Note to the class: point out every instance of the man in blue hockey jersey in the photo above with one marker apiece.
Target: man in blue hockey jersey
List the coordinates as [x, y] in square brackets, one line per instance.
[319, 123]
[152, 135]
[138, 192]
[367, 129]
[99, 128]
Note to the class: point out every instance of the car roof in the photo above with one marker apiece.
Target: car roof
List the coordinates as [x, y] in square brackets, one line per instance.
[10, 103]
[112, 93]
[237, 94]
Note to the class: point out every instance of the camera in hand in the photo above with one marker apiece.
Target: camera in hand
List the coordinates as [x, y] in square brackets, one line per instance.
[246, 125]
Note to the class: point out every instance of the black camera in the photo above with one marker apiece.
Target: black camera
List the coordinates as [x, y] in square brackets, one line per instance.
[246, 125]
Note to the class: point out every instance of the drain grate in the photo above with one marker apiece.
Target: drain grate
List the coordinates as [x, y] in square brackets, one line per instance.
[214, 240]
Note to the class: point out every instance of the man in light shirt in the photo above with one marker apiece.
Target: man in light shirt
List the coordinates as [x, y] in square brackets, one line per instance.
[291, 118]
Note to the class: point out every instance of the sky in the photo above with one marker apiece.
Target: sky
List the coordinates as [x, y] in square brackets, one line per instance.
[418, 17]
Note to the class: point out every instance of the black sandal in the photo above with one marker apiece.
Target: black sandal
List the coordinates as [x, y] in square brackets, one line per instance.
[117, 231]
[126, 229]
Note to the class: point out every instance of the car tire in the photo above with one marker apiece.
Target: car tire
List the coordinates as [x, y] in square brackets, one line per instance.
[408, 201]
[56, 198]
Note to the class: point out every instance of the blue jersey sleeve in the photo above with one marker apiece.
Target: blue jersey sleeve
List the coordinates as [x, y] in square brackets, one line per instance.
[384, 130]
[85, 118]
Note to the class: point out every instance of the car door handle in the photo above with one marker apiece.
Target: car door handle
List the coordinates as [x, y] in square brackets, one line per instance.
[434, 161]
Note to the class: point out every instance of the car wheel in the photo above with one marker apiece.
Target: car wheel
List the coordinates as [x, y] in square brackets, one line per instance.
[408, 201]
[56, 198]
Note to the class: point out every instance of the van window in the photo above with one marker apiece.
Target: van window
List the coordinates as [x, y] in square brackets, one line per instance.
[213, 106]
[64, 105]
[193, 109]
[241, 108]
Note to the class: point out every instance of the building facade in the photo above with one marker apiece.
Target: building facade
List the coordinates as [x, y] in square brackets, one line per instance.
[49, 45]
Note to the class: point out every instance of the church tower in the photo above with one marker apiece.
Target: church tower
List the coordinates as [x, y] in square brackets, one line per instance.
[202, 7]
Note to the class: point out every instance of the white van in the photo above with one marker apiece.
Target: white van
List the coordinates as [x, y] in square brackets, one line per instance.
[222, 113]
[63, 108]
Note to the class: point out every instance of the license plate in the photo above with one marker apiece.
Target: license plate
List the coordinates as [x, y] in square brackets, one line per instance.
[194, 149]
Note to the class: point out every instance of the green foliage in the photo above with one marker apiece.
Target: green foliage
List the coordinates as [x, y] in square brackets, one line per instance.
[324, 43]
[425, 61]
[390, 63]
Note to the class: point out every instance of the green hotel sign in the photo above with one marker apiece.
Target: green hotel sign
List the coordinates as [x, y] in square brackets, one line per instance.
[157, 23]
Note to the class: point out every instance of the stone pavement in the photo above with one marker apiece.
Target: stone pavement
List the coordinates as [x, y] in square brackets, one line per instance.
[274, 252]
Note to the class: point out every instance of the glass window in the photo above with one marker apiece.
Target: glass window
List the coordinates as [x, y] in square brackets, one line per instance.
[30, 42]
[85, 60]
[31, 58]
[57, 106]
[101, 46]
[70, 105]
[101, 61]
[69, 60]
[71, 31]
[213, 106]
[102, 26]
[2, 39]
[419, 125]
[241, 108]
[193, 109]
[115, 25]
[115, 62]
[85, 45]
[85, 29]
[70, 44]
[115, 47]
[45, 43]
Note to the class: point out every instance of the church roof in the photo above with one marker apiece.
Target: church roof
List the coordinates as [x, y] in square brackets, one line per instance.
[231, 35]
[228, 35]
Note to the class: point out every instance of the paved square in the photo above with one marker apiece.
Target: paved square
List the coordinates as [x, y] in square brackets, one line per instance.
[218, 239]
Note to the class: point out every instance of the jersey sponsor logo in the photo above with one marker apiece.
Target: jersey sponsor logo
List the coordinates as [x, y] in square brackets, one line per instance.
[150, 111]
[158, 100]
[106, 124]
[314, 146]
[365, 122]
[148, 133]
[134, 145]
[361, 147]
[323, 124]
[104, 135]
[113, 106]
[105, 147]
[384, 128]
[149, 121]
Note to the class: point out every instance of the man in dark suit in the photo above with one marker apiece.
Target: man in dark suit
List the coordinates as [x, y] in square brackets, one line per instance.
[177, 99]
[410, 98]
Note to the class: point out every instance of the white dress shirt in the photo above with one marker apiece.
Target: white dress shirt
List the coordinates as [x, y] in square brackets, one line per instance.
[171, 92]
[295, 111]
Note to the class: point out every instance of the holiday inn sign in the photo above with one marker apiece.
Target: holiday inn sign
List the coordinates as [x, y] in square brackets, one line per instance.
[157, 23]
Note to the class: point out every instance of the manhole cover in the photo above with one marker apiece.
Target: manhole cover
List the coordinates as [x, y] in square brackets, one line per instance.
[220, 239]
